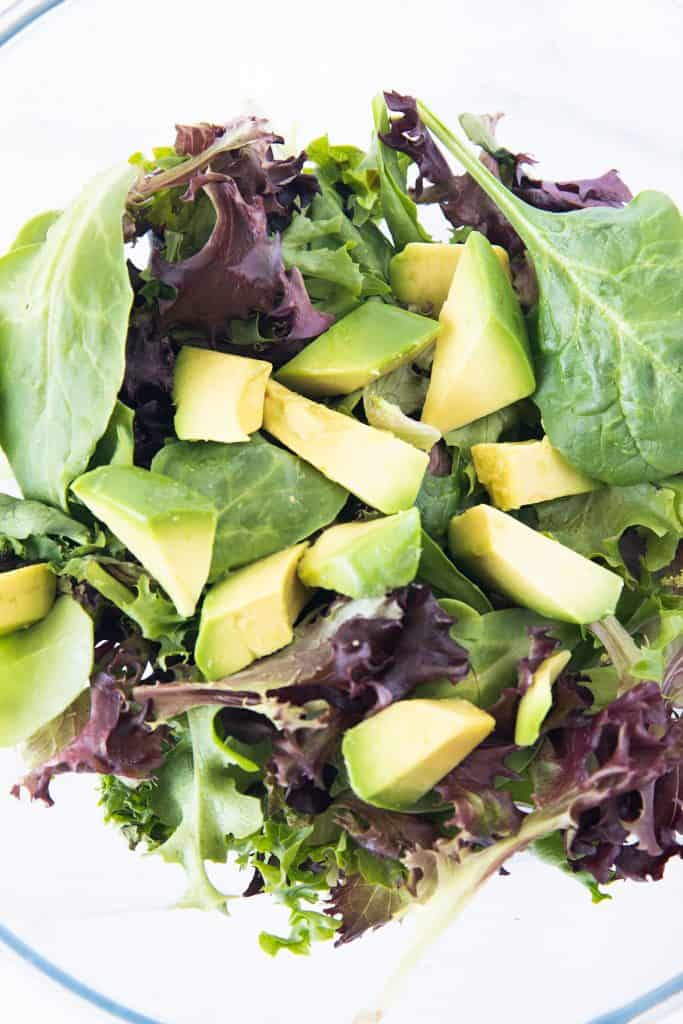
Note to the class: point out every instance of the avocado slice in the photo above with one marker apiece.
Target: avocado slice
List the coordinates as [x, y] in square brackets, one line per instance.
[218, 397]
[43, 669]
[538, 699]
[530, 568]
[169, 528]
[517, 473]
[482, 361]
[399, 754]
[421, 274]
[250, 613]
[364, 345]
[365, 559]
[26, 596]
[377, 467]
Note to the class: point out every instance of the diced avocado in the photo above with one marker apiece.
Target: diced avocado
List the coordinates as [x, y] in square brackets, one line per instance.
[43, 669]
[421, 274]
[377, 467]
[399, 754]
[365, 559]
[26, 596]
[250, 613]
[218, 397]
[517, 473]
[538, 699]
[168, 527]
[364, 345]
[530, 568]
[482, 361]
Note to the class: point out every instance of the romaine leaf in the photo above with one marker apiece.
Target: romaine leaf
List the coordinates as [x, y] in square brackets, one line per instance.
[197, 794]
[266, 497]
[64, 306]
[608, 326]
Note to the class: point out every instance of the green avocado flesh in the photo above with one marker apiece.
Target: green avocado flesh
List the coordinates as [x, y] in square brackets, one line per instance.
[43, 669]
[421, 274]
[530, 568]
[169, 528]
[399, 754]
[26, 596]
[364, 345]
[250, 613]
[365, 559]
[538, 699]
[482, 361]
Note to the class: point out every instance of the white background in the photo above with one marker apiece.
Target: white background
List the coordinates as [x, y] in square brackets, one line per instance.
[587, 86]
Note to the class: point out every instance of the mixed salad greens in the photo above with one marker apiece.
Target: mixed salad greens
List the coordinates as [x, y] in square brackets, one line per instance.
[346, 553]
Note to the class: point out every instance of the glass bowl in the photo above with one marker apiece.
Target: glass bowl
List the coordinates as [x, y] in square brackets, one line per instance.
[83, 85]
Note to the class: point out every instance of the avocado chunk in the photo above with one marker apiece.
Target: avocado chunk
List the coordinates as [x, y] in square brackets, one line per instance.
[377, 467]
[218, 397]
[530, 568]
[250, 613]
[538, 699]
[169, 528]
[43, 669]
[421, 274]
[517, 473]
[399, 754]
[482, 361]
[364, 345]
[365, 559]
[26, 596]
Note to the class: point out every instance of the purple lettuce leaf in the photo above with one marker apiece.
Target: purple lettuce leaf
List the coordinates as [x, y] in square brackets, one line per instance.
[115, 739]
[383, 833]
[192, 139]
[361, 906]
[464, 203]
[481, 812]
[238, 270]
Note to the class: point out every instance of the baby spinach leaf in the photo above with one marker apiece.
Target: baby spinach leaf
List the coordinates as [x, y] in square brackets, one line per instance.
[609, 335]
[64, 305]
[446, 580]
[266, 497]
[593, 524]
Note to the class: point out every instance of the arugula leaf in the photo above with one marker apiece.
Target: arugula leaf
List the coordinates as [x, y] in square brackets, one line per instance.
[610, 303]
[266, 497]
[64, 306]
[594, 523]
[198, 795]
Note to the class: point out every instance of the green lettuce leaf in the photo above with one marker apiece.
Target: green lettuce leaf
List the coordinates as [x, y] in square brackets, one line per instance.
[198, 795]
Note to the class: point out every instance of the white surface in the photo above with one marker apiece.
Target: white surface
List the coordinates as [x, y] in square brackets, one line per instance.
[587, 86]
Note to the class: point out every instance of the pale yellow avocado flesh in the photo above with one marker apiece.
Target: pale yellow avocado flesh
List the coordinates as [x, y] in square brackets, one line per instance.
[521, 473]
[530, 568]
[377, 467]
[538, 699]
[399, 754]
[250, 613]
[26, 596]
[218, 397]
[421, 274]
[169, 528]
[482, 361]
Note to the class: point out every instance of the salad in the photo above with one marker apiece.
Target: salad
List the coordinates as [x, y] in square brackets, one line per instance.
[345, 553]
